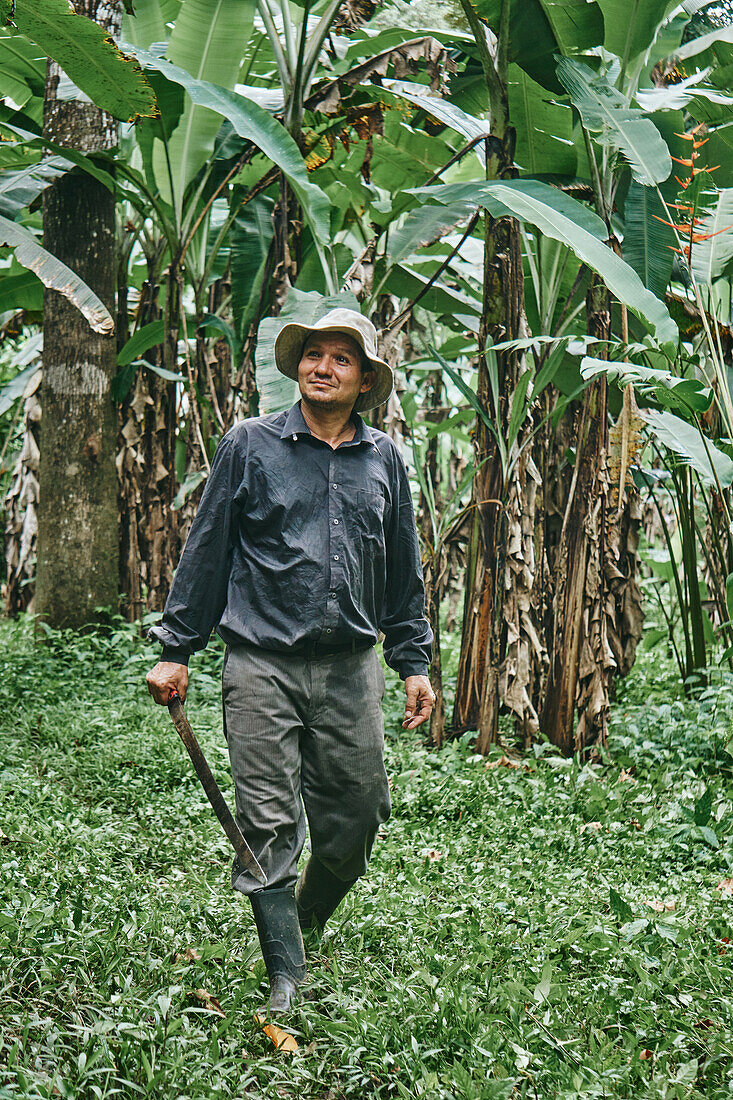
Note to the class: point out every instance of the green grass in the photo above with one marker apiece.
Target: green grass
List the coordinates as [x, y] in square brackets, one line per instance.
[502, 945]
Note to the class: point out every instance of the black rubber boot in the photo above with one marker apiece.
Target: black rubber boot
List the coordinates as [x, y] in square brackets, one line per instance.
[281, 940]
[317, 894]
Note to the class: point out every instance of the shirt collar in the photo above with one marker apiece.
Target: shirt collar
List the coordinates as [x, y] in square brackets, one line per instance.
[295, 425]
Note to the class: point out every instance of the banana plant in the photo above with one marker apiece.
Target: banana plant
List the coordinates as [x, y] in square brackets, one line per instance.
[87, 55]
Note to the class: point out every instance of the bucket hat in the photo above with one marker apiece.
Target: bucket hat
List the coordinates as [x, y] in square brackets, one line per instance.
[291, 339]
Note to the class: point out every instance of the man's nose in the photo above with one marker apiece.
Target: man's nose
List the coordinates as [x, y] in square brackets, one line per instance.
[322, 367]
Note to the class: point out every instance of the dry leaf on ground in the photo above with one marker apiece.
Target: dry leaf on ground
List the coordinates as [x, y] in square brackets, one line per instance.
[208, 1001]
[625, 777]
[503, 762]
[590, 826]
[662, 906]
[189, 955]
[646, 1054]
[280, 1039]
[725, 887]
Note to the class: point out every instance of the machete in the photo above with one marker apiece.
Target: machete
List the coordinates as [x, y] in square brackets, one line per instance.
[245, 854]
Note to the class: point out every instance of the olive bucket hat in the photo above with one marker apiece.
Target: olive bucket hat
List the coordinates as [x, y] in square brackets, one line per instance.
[291, 339]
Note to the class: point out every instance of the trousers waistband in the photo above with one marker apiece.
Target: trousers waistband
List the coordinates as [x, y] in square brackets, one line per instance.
[311, 650]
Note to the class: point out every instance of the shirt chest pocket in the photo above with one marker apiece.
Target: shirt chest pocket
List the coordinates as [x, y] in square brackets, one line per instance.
[368, 514]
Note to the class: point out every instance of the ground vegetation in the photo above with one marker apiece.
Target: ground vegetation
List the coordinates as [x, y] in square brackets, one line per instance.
[531, 925]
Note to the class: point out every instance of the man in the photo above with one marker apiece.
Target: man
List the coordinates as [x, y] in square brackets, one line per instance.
[303, 548]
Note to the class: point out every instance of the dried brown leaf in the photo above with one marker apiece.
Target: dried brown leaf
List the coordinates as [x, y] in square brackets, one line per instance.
[725, 887]
[660, 906]
[208, 1001]
[503, 762]
[189, 955]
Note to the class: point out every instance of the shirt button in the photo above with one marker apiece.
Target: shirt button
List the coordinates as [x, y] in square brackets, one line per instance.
[328, 630]
[332, 595]
[335, 557]
[294, 438]
[335, 522]
[334, 486]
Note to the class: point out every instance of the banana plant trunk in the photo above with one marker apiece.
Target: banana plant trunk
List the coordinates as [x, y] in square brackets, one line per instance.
[146, 464]
[581, 663]
[484, 632]
[77, 514]
[434, 557]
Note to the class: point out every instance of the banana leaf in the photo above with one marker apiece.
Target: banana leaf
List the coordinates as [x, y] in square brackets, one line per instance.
[87, 54]
[687, 443]
[541, 29]
[254, 124]
[564, 219]
[208, 41]
[544, 128]
[55, 275]
[631, 25]
[711, 257]
[648, 242]
[618, 126]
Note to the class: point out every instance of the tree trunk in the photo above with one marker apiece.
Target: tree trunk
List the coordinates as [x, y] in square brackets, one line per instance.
[580, 656]
[21, 505]
[434, 555]
[484, 635]
[77, 521]
[146, 464]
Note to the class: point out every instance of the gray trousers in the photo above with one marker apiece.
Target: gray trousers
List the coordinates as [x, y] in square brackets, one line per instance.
[306, 739]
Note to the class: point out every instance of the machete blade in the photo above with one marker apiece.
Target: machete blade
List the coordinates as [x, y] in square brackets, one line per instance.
[244, 853]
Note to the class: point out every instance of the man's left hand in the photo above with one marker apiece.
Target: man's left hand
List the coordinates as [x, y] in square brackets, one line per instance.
[419, 703]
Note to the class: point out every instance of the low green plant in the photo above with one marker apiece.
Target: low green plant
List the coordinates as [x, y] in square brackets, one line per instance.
[530, 926]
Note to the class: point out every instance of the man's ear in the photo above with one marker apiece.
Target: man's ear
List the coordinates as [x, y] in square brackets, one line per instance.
[368, 379]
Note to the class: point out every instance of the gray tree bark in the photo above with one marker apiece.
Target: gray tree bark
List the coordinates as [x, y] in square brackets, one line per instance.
[77, 513]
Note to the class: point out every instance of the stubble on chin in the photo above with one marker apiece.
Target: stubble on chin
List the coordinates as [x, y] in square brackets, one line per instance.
[322, 398]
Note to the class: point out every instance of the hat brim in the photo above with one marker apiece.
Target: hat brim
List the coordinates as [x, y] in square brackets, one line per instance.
[289, 350]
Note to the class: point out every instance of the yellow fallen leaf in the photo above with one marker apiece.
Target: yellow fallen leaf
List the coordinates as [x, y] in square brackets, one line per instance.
[281, 1040]
[662, 906]
[210, 1002]
[726, 886]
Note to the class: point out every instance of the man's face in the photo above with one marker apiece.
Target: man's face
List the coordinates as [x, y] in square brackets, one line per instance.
[329, 373]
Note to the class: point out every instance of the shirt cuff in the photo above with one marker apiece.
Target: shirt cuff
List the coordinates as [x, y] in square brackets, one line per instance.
[175, 656]
[413, 670]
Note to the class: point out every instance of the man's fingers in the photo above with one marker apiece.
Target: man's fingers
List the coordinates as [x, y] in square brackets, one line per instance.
[166, 677]
[421, 715]
[419, 701]
[424, 712]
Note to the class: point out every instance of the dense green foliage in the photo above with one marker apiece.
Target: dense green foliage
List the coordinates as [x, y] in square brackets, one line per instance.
[537, 927]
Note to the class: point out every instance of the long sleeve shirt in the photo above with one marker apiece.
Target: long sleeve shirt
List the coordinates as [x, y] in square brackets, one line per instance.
[296, 543]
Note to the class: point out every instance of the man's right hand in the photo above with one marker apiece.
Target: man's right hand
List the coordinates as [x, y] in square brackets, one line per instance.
[163, 678]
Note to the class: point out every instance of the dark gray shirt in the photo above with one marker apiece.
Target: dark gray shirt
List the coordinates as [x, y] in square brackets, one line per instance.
[295, 543]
